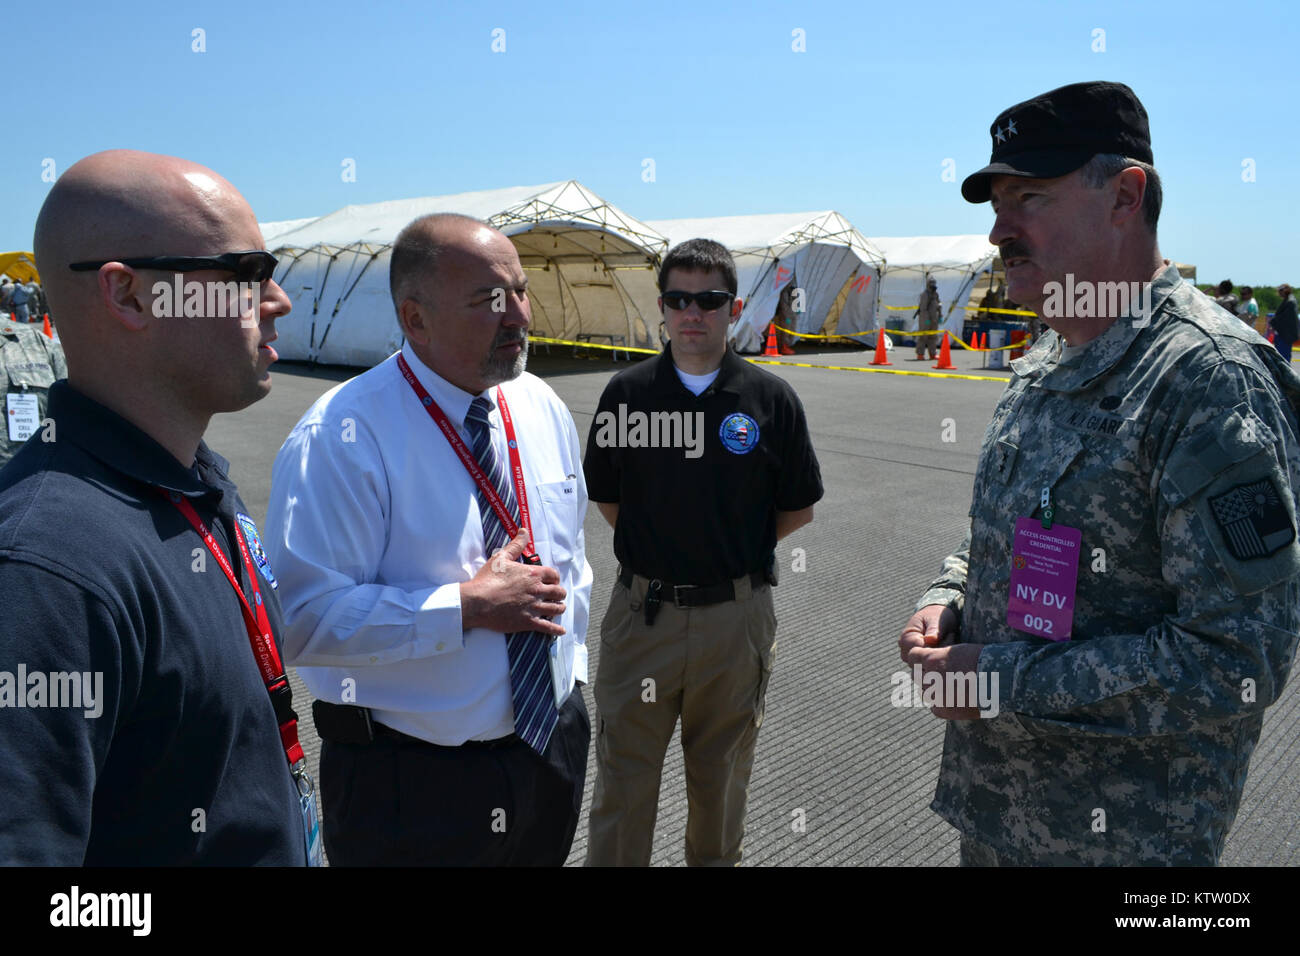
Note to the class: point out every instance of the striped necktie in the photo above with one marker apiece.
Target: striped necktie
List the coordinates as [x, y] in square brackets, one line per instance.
[528, 651]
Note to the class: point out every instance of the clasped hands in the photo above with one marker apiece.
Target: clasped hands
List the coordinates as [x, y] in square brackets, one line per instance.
[924, 641]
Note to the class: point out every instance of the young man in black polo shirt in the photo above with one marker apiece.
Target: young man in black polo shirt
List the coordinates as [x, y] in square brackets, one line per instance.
[136, 726]
[700, 461]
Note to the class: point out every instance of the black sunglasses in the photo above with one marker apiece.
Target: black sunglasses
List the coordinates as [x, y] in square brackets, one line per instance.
[251, 266]
[708, 301]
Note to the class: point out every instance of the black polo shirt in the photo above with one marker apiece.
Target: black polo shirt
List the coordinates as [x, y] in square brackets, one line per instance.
[100, 573]
[706, 513]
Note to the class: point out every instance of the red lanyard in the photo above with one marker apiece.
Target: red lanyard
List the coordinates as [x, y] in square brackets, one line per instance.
[258, 626]
[471, 463]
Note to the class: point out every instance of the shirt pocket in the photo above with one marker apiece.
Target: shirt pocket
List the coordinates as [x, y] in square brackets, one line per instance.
[1041, 457]
[559, 504]
[29, 373]
[999, 450]
[1023, 462]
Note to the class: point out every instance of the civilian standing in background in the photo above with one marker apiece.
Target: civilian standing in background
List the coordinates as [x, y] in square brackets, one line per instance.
[1285, 322]
[1226, 298]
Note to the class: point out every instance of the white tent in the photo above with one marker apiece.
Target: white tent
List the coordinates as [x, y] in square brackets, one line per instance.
[834, 266]
[591, 269]
[271, 231]
[955, 262]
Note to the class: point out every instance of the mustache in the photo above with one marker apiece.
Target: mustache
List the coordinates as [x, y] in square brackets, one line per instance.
[1014, 248]
[509, 337]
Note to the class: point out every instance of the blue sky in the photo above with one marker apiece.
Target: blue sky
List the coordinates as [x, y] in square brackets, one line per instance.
[735, 120]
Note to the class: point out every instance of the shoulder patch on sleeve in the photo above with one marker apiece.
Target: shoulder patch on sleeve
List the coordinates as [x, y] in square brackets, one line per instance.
[1215, 447]
[1253, 519]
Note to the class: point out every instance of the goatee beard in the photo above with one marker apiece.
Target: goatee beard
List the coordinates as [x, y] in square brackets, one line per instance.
[496, 370]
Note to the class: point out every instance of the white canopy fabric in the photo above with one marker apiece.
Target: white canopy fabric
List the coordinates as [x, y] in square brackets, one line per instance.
[271, 231]
[836, 268]
[954, 261]
[590, 266]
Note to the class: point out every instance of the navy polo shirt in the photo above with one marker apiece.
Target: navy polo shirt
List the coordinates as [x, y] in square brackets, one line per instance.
[706, 513]
[101, 575]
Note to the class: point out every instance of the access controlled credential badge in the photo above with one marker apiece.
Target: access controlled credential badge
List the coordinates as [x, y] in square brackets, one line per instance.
[23, 414]
[1044, 573]
[311, 827]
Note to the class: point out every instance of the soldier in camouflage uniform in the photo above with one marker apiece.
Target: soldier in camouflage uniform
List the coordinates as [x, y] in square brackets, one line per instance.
[928, 313]
[29, 364]
[1166, 433]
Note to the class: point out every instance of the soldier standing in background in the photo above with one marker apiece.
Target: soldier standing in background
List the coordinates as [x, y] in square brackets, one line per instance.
[928, 314]
[29, 364]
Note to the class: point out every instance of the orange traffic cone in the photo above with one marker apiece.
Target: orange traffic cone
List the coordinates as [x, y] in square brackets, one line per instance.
[984, 340]
[771, 341]
[49, 332]
[974, 340]
[882, 358]
[945, 355]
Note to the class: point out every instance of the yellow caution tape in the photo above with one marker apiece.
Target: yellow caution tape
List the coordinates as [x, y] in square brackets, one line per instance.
[849, 335]
[968, 308]
[978, 308]
[909, 334]
[809, 335]
[1022, 344]
[544, 340]
[591, 345]
[877, 368]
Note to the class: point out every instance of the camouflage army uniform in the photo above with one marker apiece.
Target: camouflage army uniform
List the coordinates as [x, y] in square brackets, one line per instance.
[1146, 442]
[929, 313]
[29, 362]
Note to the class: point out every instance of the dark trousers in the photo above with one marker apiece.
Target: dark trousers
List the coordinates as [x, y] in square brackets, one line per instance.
[1283, 346]
[402, 802]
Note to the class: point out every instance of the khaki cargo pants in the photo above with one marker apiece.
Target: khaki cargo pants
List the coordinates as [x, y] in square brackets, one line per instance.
[709, 664]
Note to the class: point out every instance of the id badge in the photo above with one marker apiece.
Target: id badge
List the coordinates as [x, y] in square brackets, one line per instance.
[23, 414]
[310, 820]
[1044, 574]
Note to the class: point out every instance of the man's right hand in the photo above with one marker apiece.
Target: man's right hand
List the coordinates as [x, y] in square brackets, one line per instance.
[932, 625]
[508, 596]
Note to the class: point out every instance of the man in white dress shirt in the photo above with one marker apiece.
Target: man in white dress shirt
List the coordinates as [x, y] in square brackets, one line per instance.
[419, 646]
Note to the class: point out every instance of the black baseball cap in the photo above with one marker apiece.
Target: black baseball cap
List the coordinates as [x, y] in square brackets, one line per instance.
[1057, 132]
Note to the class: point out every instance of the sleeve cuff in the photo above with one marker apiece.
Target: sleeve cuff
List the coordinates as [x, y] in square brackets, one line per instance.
[438, 628]
[1002, 660]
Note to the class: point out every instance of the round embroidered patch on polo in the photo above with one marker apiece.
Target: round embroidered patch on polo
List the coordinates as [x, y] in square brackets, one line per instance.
[739, 433]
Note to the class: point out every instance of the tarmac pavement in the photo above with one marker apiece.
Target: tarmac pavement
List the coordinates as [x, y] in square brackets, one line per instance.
[841, 777]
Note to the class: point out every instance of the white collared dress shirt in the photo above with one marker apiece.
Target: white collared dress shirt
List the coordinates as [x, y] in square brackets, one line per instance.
[374, 523]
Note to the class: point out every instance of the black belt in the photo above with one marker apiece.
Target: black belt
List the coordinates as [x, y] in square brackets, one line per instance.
[691, 595]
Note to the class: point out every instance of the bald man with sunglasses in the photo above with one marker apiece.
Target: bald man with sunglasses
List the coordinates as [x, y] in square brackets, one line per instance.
[141, 626]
